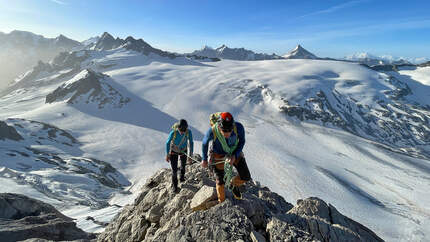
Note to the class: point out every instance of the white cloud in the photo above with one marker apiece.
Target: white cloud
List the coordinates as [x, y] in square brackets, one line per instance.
[59, 2]
[334, 8]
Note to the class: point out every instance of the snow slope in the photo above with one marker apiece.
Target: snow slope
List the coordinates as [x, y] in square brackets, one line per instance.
[384, 190]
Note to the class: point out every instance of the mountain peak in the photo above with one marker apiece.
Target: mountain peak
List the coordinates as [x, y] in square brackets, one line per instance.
[106, 35]
[300, 53]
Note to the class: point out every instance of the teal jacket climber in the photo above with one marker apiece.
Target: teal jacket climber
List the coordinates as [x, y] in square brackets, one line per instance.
[178, 140]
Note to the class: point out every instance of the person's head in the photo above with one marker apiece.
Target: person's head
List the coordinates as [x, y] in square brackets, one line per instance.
[226, 124]
[183, 125]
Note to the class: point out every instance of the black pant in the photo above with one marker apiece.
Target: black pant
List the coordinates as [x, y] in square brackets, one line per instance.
[174, 164]
[241, 167]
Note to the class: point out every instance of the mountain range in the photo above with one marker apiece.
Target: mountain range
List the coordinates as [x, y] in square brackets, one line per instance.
[21, 50]
[98, 118]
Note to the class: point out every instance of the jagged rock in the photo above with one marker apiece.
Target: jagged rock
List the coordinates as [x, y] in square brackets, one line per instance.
[8, 132]
[24, 218]
[159, 214]
[204, 198]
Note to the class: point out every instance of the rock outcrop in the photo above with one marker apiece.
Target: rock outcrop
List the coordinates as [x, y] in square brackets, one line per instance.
[159, 214]
[23, 218]
[8, 132]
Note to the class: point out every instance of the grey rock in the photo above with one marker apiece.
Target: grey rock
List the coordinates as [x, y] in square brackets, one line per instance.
[202, 197]
[161, 215]
[325, 223]
[8, 132]
[24, 218]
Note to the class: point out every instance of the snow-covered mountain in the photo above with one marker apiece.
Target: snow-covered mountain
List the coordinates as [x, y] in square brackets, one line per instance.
[371, 60]
[357, 138]
[48, 160]
[21, 50]
[224, 52]
[300, 53]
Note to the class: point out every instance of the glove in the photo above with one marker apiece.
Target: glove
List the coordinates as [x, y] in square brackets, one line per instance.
[167, 158]
[204, 163]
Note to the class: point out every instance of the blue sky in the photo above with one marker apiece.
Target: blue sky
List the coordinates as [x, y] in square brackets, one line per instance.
[327, 28]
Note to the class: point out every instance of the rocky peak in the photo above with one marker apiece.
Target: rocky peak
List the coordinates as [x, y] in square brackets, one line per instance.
[193, 214]
[300, 53]
[107, 42]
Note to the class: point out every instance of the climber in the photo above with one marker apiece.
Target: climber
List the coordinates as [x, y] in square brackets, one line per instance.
[176, 146]
[228, 139]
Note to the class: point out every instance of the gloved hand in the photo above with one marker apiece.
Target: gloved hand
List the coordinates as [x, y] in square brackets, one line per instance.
[204, 163]
[232, 160]
[167, 158]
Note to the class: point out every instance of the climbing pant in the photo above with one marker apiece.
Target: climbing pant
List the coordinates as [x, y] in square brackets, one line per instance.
[174, 164]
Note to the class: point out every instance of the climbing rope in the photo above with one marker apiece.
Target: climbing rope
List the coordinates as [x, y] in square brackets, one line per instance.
[228, 173]
[228, 170]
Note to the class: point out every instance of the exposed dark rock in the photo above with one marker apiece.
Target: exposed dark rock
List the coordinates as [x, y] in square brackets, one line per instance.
[158, 214]
[92, 88]
[24, 218]
[424, 64]
[8, 132]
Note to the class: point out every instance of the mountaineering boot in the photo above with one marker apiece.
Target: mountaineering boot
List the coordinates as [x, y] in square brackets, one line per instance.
[174, 183]
[236, 193]
[175, 189]
[220, 192]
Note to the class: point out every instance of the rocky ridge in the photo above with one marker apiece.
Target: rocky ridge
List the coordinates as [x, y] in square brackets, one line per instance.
[224, 52]
[23, 218]
[159, 214]
[108, 42]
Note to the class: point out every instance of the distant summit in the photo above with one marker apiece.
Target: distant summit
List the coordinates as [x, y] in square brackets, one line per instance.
[108, 42]
[300, 53]
[21, 50]
[224, 52]
[27, 40]
[372, 60]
